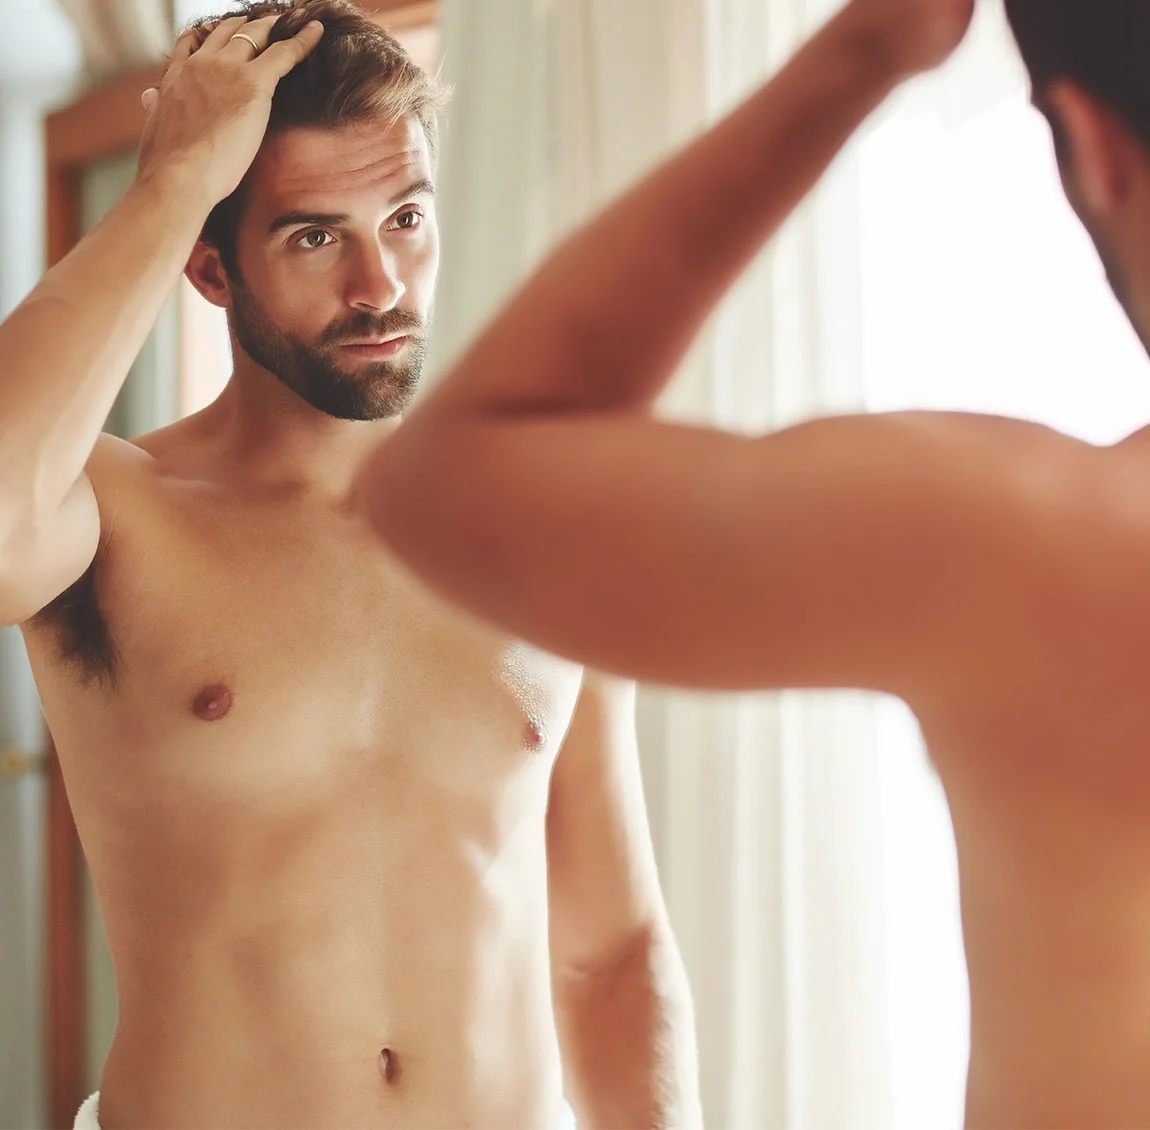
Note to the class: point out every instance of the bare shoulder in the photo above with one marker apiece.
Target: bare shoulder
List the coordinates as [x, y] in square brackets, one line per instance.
[1028, 485]
[1074, 513]
[114, 460]
[947, 551]
[1005, 436]
[1051, 536]
[120, 473]
[140, 524]
[1014, 465]
[1063, 484]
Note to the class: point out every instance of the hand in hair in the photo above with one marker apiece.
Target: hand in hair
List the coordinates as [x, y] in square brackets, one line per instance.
[209, 116]
[912, 36]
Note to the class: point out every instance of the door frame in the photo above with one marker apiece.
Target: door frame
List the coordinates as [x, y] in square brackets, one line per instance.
[102, 124]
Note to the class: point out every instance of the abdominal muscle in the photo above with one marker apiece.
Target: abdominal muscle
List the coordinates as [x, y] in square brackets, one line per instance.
[358, 970]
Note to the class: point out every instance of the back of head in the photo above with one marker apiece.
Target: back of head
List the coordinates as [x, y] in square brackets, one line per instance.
[1101, 45]
[357, 73]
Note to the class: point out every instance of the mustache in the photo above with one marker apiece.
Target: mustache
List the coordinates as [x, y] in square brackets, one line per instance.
[364, 324]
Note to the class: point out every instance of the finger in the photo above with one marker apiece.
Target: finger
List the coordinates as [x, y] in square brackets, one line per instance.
[280, 57]
[259, 31]
[186, 44]
[221, 35]
[149, 98]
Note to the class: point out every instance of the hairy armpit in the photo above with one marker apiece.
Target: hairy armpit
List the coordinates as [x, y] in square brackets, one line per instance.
[81, 632]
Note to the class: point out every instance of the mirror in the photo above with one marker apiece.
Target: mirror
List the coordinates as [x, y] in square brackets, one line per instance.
[51, 1059]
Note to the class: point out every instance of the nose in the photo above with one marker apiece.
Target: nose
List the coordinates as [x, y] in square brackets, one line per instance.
[374, 283]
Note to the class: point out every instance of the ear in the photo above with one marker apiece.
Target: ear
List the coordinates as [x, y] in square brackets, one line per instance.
[205, 271]
[1097, 154]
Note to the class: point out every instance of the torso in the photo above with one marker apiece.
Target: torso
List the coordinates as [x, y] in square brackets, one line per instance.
[312, 798]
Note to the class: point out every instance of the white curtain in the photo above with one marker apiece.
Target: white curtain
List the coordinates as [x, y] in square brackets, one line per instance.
[764, 808]
[119, 36]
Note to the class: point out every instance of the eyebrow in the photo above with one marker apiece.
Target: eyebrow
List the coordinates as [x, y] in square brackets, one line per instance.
[422, 187]
[321, 219]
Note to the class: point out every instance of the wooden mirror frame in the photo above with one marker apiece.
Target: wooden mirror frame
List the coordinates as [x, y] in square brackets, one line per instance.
[102, 124]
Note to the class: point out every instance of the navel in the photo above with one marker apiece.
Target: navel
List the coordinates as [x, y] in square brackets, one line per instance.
[389, 1064]
[212, 703]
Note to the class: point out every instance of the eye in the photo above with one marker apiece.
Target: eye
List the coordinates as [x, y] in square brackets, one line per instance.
[410, 219]
[313, 239]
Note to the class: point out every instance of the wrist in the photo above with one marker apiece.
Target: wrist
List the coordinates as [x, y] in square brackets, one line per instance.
[887, 52]
[177, 186]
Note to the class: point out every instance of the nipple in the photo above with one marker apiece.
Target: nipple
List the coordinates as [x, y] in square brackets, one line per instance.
[212, 703]
[388, 1064]
[533, 735]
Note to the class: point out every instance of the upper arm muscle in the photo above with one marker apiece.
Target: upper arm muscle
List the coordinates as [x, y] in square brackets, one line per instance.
[42, 562]
[839, 553]
[43, 559]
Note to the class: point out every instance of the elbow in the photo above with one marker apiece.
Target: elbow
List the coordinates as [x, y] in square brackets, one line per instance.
[636, 951]
[627, 1030]
[430, 494]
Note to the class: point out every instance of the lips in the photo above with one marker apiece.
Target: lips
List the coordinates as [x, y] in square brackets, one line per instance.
[376, 349]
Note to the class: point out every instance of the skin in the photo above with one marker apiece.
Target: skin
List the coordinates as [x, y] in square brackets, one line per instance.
[990, 572]
[362, 860]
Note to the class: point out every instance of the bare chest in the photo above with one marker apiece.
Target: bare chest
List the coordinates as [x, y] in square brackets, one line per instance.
[284, 646]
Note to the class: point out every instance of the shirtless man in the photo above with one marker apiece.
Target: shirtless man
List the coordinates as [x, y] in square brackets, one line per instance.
[991, 572]
[324, 812]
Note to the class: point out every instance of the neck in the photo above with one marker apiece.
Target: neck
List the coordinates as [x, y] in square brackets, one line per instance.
[273, 439]
[1137, 306]
[1135, 300]
[1127, 267]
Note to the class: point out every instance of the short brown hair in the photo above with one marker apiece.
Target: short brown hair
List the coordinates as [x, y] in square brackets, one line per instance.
[1102, 45]
[357, 73]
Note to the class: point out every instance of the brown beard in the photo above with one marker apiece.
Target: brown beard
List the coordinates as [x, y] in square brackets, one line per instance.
[375, 391]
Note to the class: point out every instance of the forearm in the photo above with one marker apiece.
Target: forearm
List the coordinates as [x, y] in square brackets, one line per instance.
[604, 324]
[628, 1041]
[67, 349]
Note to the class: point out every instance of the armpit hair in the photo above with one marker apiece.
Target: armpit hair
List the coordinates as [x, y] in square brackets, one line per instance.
[82, 637]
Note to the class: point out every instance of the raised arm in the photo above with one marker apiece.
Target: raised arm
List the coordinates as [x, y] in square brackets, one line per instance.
[67, 349]
[533, 485]
[604, 323]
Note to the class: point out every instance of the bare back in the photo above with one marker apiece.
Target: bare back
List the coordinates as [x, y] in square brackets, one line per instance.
[313, 800]
[1040, 729]
[1043, 755]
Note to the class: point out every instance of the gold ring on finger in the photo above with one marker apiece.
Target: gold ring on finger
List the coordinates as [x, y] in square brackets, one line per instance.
[248, 39]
